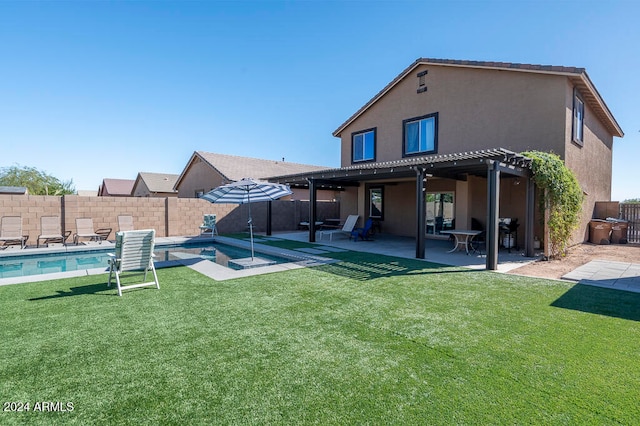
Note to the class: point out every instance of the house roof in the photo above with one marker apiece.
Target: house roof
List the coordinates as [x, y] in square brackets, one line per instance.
[116, 187]
[234, 168]
[16, 190]
[442, 165]
[578, 76]
[158, 182]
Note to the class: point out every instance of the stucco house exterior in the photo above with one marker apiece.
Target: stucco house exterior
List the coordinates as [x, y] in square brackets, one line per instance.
[115, 187]
[445, 137]
[206, 170]
[155, 185]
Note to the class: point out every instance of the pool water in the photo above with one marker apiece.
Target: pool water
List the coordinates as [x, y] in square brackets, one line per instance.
[17, 266]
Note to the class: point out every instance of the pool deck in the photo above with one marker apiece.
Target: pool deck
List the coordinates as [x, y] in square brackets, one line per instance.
[205, 267]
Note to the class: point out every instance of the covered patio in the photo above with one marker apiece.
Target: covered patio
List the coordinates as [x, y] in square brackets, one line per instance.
[437, 251]
[493, 165]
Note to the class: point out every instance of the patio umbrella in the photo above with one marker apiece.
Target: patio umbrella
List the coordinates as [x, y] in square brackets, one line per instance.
[247, 191]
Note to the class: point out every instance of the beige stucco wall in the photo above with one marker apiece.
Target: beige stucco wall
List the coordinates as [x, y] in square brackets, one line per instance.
[399, 209]
[141, 189]
[591, 163]
[199, 177]
[477, 109]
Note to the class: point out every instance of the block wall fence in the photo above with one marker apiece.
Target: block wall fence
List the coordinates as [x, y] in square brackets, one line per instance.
[170, 217]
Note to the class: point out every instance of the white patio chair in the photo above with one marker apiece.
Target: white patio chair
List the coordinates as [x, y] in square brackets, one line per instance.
[134, 252]
[347, 228]
[209, 225]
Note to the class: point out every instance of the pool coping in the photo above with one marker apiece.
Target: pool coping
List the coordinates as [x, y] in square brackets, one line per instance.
[203, 266]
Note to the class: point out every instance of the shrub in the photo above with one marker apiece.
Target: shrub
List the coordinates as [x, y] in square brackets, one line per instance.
[561, 197]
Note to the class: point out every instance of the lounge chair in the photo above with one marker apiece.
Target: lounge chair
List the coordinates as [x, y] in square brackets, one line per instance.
[50, 231]
[209, 225]
[84, 229]
[125, 223]
[134, 252]
[348, 226]
[362, 233]
[11, 231]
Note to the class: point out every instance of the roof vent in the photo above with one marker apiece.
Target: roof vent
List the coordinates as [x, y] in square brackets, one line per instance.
[422, 84]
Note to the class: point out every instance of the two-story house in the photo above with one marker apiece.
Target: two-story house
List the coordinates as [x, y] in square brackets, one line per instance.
[440, 146]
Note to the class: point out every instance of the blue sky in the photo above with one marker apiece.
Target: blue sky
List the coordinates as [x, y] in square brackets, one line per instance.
[108, 89]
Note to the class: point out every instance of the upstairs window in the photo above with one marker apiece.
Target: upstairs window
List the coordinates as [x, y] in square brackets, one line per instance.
[578, 119]
[363, 146]
[420, 135]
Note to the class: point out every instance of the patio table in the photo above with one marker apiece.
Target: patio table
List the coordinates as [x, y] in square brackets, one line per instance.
[462, 238]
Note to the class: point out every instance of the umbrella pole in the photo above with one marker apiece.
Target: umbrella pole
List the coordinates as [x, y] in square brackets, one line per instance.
[251, 232]
[250, 226]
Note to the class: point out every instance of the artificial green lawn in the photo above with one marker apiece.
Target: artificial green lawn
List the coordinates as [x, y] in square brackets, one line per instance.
[371, 339]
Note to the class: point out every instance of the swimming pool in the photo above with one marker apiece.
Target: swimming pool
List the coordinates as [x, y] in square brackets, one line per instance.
[26, 265]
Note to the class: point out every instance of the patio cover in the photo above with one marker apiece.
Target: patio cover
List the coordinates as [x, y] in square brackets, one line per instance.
[489, 163]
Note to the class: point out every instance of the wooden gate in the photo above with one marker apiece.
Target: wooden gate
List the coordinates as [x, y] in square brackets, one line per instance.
[631, 213]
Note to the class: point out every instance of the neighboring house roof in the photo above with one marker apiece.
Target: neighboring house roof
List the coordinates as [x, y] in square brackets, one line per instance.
[234, 168]
[578, 77]
[14, 190]
[157, 182]
[116, 187]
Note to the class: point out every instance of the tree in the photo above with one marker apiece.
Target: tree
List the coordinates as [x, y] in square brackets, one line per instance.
[36, 181]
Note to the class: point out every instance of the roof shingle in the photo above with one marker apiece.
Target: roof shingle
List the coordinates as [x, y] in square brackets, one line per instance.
[159, 182]
[235, 168]
[117, 186]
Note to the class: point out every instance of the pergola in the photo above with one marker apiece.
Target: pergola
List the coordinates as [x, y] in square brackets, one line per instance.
[490, 163]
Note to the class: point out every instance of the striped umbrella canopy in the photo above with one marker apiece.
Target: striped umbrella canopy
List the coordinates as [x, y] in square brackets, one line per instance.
[247, 191]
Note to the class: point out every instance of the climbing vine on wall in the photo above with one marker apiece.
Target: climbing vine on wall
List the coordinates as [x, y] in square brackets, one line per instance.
[561, 197]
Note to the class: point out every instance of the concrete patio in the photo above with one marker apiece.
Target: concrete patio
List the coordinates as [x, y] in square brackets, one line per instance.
[608, 274]
[437, 250]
